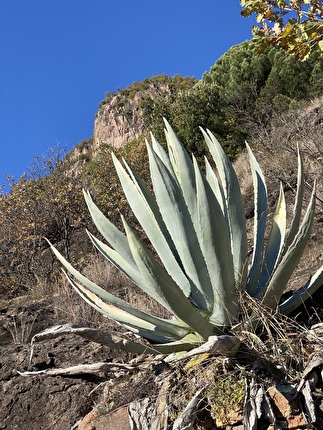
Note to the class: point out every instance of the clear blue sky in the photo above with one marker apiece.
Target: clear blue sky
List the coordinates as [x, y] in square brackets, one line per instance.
[60, 57]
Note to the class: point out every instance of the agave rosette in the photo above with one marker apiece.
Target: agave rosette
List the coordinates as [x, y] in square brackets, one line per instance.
[196, 224]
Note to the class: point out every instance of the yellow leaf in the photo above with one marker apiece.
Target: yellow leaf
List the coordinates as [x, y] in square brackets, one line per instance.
[287, 30]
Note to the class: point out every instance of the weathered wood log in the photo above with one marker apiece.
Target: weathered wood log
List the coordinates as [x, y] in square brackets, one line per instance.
[309, 403]
[79, 369]
[223, 344]
[150, 414]
[140, 412]
[94, 335]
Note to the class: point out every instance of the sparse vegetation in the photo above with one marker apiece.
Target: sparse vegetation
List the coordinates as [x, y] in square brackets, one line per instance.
[20, 328]
[173, 85]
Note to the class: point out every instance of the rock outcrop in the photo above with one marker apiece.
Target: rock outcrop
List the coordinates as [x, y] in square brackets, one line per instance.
[120, 118]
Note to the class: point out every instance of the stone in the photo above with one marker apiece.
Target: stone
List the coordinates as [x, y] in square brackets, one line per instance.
[116, 420]
[284, 406]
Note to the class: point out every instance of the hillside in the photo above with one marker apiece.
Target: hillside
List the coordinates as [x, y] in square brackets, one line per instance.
[48, 202]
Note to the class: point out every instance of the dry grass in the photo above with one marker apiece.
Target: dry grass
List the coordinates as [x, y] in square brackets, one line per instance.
[20, 328]
[273, 337]
[277, 150]
[70, 307]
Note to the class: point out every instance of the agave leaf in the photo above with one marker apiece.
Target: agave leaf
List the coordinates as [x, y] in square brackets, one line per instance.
[150, 284]
[298, 202]
[122, 304]
[234, 204]
[215, 243]
[183, 345]
[182, 167]
[159, 280]
[162, 154]
[216, 187]
[260, 197]
[276, 240]
[159, 330]
[111, 233]
[137, 325]
[133, 274]
[272, 293]
[176, 216]
[299, 297]
[84, 280]
[147, 212]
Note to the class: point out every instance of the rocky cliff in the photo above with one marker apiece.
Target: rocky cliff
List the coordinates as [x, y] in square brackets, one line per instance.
[121, 118]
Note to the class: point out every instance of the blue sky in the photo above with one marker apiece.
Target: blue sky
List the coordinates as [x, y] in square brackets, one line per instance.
[60, 57]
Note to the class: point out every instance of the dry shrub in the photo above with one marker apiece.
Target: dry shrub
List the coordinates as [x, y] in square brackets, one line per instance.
[20, 327]
[222, 381]
[277, 149]
[44, 288]
[243, 171]
[277, 339]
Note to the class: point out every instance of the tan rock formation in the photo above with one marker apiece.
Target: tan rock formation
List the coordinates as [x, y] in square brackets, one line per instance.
[121, 119]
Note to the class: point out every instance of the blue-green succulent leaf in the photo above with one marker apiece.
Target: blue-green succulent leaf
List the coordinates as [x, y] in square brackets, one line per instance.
[159, 281]
[179, 223]
[272, 293]
[137, 325]
[215, 243]
[216, 187]
[182, 167]
[116, 301]
[298, 202]
[162, 154]
[147, 213]
[260, 216]
[234, 207]
[275, 242]
[299, 297]
[112, 234]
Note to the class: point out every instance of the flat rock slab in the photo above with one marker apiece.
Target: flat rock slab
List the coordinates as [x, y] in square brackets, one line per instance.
[95, 420]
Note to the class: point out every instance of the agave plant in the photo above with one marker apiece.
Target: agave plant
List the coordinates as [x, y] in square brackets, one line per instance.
[196, 224]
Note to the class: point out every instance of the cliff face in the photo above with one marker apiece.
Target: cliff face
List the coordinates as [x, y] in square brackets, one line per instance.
[120, 119]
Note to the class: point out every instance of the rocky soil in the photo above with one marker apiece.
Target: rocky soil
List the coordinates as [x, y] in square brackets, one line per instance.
[44, 402]
[103, 400]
